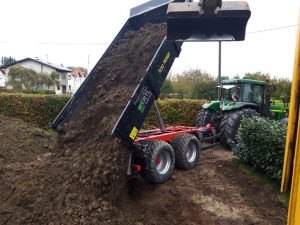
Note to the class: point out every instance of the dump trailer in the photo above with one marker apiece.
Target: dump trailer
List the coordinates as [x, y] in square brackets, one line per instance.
[155, 152]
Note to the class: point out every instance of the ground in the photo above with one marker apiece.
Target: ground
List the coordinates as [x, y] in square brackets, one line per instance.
[23, 142]
[217, 191]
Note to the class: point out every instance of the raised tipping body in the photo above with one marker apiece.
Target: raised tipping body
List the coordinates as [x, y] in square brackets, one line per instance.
[133, 69]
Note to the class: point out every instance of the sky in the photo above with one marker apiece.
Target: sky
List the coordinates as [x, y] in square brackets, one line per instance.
[76, 33]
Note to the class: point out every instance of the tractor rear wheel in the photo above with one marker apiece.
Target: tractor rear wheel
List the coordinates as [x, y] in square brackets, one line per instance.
[231, 122]
[204, 117]
[187, 151]
[159, 163]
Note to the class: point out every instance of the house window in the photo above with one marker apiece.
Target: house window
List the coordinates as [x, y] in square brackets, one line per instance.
[64, 89]
[69, 87]
[69, 77]
[58, 87]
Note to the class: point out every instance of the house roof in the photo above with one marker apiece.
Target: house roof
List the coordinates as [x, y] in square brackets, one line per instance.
[56, 67]
[76, 73]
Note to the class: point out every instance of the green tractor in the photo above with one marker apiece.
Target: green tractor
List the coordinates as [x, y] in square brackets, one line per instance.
[239, 97]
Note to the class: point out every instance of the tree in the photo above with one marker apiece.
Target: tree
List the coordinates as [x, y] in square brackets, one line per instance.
[236, 76]
[23, 79]
[197, 75]
[78, 68]
[182, 89]
[282, 90]
[225, 78]
[7, 60]
[166, 88]
[257, 76]
[205, 90]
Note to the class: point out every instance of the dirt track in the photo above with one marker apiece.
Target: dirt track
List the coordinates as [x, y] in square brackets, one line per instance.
[215, 192]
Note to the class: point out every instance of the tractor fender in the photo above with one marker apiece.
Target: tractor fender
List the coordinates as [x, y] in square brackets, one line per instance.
[213, 105]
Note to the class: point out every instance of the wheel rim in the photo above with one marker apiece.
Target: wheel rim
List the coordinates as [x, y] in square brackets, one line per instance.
[191, 152]
[163, 162]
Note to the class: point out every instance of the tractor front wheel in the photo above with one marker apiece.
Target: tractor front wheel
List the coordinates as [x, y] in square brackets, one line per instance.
[159, 162]
[231, 122]
[204, 117]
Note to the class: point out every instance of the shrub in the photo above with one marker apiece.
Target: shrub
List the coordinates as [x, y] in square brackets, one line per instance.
[176, 112]
[260, 143]
[34, 108]
[43, 109]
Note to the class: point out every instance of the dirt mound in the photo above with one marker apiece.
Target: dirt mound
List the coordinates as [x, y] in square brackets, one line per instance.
[22, 142]
[77, 183]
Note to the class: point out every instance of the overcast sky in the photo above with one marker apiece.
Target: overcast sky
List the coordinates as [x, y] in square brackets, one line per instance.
[67, 32]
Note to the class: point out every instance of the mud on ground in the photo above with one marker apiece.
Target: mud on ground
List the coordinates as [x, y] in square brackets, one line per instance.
[23, 142]
[215, 192]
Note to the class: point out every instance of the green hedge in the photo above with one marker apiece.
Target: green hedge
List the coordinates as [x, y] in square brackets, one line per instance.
[176, 112]
[42, 109]
[260, 143]
[38, 109]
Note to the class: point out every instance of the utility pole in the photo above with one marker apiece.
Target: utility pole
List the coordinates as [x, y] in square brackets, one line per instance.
[219, 73]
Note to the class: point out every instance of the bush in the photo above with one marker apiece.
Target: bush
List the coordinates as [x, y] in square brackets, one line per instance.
[34, 108]
[5, 90]
[176, 112]
[260, 143]
[43, 109]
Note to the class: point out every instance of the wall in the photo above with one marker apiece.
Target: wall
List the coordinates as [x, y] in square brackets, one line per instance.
[2, 80]
[75, 83]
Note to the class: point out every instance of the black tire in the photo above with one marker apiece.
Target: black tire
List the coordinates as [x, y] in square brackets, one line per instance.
[204, 117]
[231, 122]
[159, 163]
[187, 151]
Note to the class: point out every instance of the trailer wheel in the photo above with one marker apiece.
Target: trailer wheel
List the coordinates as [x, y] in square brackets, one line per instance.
[187, 151]
[159, 163]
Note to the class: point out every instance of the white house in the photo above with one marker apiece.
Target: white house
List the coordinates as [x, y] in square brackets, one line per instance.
[46, 68]
[2, 78]
[76, 78]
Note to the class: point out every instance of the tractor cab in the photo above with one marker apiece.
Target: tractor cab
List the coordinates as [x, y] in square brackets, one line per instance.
[238, 93]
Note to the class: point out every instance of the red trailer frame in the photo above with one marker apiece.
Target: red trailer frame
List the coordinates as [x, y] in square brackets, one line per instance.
[170, 132]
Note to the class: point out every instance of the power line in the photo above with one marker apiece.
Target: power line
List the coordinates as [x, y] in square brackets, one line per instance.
[103, 43]
[61, 43]
[70, 43]
[272, 29]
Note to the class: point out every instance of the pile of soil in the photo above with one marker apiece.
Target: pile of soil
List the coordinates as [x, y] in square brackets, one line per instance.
[215, 192]
[22, 142]
[78, 182]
